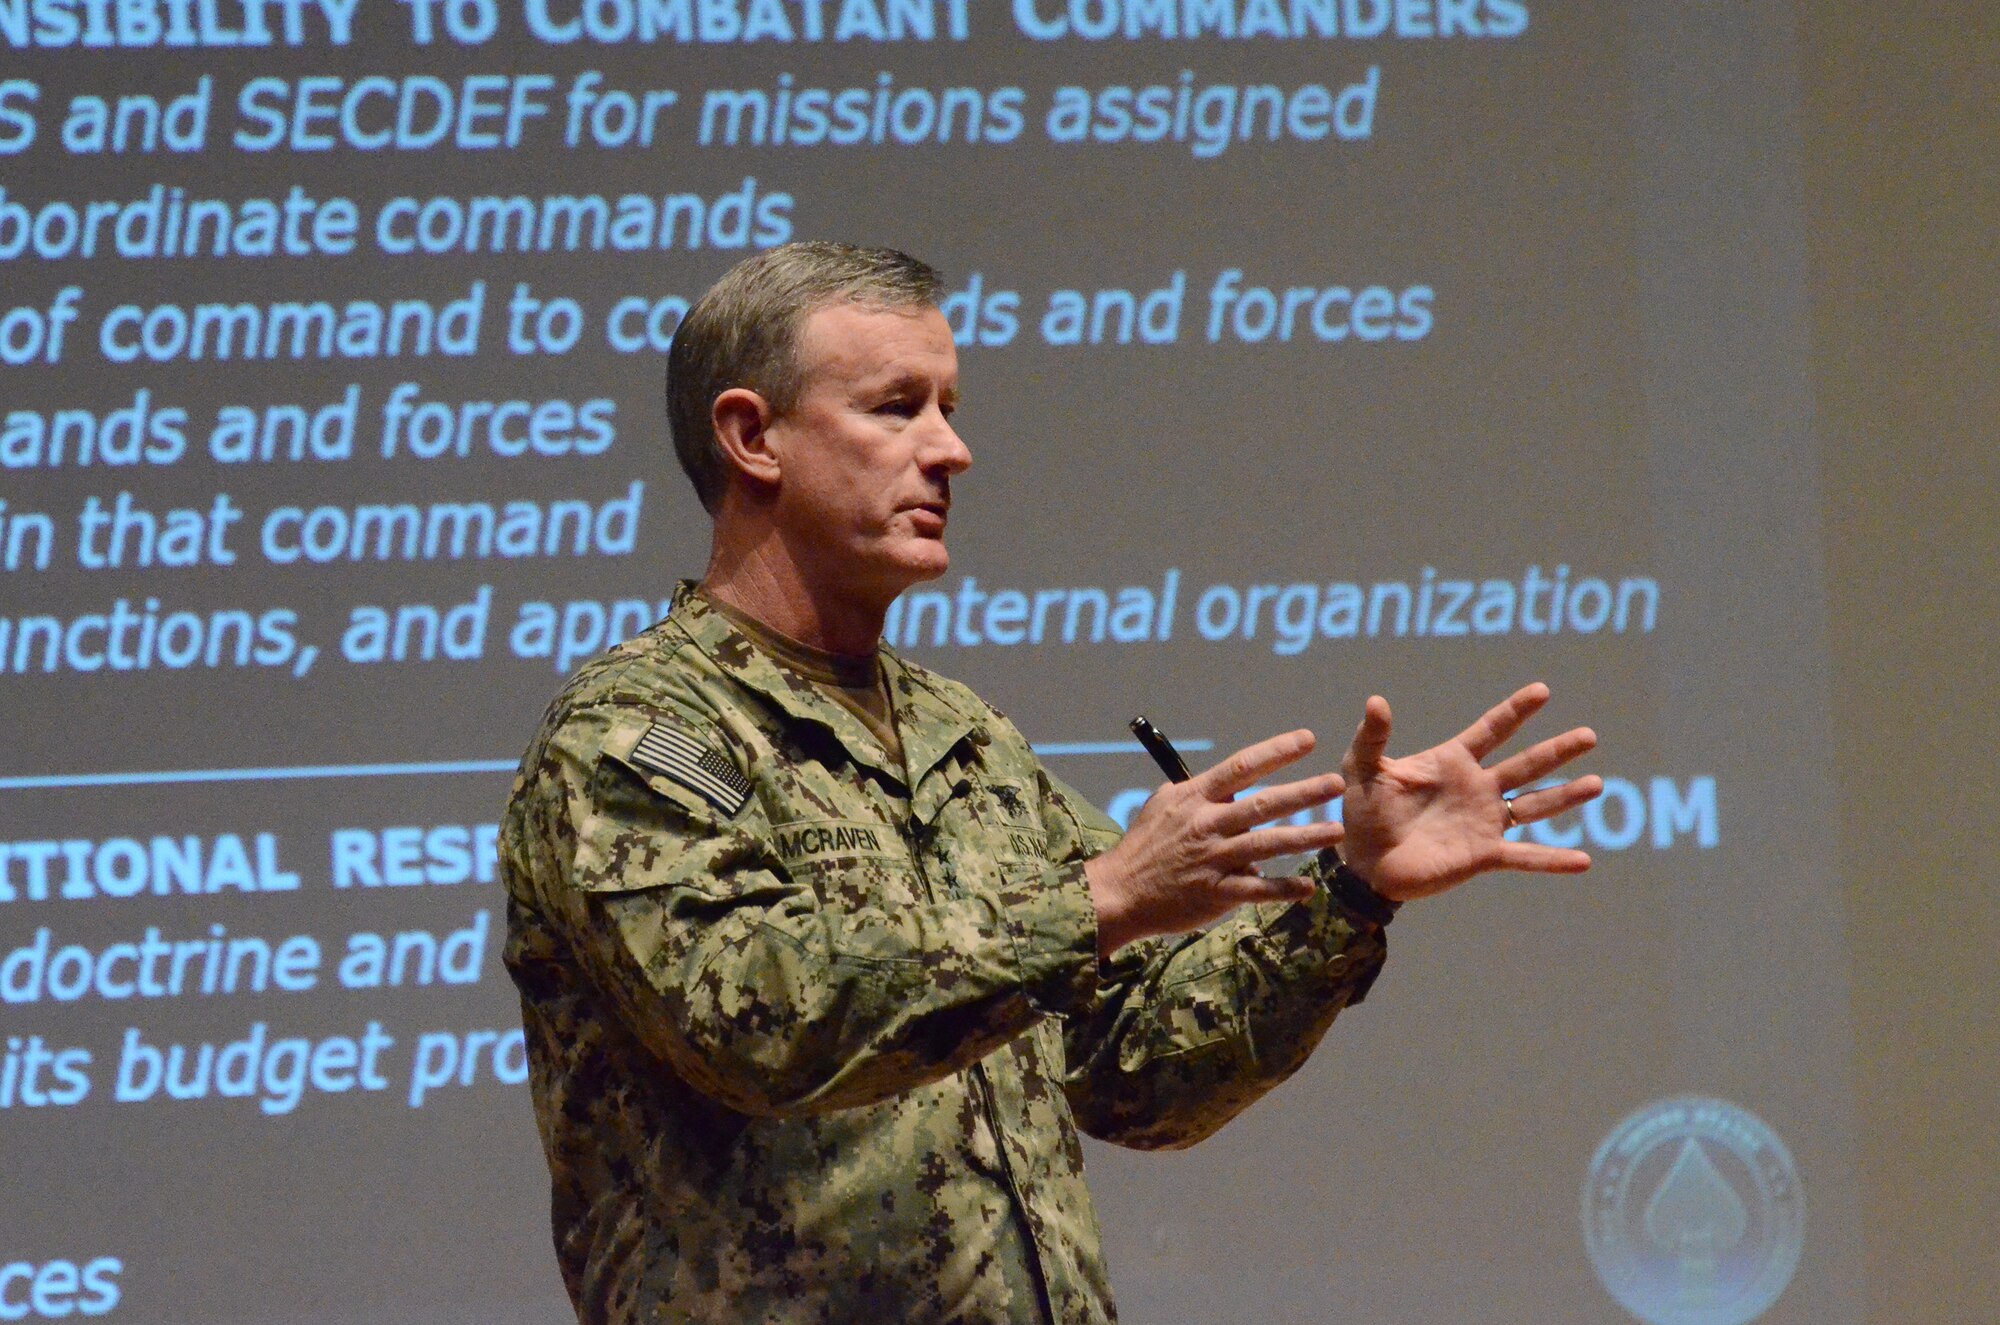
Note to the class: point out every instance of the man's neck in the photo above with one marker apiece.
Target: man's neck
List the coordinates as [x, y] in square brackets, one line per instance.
[770, 590]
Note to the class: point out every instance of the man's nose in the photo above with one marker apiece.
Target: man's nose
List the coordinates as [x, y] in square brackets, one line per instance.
[946, 450]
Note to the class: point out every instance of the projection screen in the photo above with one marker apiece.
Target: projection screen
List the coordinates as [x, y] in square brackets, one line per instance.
[1310, 349]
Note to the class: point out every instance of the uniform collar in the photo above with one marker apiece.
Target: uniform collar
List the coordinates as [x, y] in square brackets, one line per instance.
[929, 720]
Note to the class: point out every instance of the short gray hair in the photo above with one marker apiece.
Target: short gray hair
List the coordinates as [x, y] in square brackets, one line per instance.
[745, 333]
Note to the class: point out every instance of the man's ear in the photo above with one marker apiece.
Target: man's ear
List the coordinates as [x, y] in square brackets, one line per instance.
[742, 421]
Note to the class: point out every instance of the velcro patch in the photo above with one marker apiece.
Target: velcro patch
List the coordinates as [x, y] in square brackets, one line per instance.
[677, 756]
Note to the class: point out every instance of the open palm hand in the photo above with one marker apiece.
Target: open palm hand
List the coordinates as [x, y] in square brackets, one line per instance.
[1422, 823]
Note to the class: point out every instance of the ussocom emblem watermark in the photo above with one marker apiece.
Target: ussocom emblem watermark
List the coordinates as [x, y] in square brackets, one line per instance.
[1693, 1213]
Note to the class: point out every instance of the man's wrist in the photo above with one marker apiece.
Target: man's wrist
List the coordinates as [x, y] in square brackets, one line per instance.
[1100, 876]
[1353, 894]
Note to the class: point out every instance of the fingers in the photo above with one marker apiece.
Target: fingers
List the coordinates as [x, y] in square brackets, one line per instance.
[1290, 840]
[1540, 859]
[1548, 802]
[1501, 721]
[1371, 740]
[1242, 889]
[1540, 760]
[1277, 802]
[1250, 764]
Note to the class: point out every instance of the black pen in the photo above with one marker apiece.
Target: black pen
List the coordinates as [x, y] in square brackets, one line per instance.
[1162, 750]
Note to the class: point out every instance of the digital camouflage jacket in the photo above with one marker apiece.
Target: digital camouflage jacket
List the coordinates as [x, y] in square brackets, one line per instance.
[811, 1042]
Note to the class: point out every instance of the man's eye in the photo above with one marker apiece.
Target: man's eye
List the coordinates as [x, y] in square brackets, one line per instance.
[907, 409]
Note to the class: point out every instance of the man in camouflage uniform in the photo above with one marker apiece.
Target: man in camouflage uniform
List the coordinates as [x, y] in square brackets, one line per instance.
[822, 971]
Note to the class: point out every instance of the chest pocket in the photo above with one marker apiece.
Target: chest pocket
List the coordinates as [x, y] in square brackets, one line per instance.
[1013, 829]
[987, 836]
[848, 862]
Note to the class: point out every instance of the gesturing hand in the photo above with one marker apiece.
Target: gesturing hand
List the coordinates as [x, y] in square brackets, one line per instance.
[1191, 853]
[1429, 821]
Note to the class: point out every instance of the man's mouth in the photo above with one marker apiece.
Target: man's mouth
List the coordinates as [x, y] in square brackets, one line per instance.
[931, 515]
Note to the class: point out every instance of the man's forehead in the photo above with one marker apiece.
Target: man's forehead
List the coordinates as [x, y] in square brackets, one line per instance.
[860, 342]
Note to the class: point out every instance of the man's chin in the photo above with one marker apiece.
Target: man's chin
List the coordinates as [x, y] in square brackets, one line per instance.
[890, 571]
[924, 563]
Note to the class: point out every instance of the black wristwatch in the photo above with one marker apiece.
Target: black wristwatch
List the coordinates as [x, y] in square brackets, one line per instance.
[1352, 894]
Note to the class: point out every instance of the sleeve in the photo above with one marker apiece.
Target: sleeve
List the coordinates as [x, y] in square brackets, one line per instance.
[1184, 1033]
[750, 987]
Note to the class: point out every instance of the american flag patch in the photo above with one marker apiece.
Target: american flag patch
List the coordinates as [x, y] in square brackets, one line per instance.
[672, 753]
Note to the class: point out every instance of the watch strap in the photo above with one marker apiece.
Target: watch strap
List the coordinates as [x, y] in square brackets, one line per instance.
[1352, 893]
